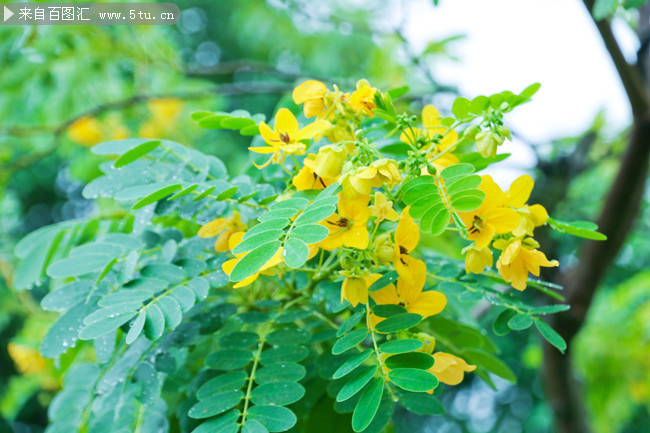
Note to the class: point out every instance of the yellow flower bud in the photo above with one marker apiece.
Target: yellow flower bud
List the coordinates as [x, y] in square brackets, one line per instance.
[477, 259]
[329, 161]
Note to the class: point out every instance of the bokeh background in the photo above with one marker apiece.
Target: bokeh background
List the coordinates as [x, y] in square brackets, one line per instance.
[64, 89]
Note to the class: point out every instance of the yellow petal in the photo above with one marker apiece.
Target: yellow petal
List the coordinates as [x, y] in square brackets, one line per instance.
[504, 220]
[270, 136]
[264, 149]
[213, 228]
[428, 303]
[412, 277]
[407, 234]
[538, 214]
[355, 291]
[356, 237]
[430, 116]
[510, 253]
[519, 191]
[385, 296]
[285, 123]
[308, 89]
[312, 129]
[483, 237]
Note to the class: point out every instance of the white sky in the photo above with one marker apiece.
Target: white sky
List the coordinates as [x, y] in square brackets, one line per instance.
[513, 43]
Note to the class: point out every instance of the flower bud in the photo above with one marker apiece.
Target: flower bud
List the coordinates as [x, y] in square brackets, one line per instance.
[487, 142]
[471, 132]
[347, 262]
[504, 132]
[329, 161]
[383, 247]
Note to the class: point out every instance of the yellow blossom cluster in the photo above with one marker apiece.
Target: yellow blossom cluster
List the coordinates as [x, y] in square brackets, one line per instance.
[372, 231]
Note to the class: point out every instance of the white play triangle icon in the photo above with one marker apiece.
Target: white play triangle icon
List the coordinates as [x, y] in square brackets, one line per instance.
[8, 13]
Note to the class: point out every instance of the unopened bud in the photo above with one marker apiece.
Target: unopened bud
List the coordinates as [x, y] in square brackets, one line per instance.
[487, 143]
[471, 132]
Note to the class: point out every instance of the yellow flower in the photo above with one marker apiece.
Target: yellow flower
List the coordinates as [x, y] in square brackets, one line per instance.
[476, 259]
[307, 177]
[363, 179]
[411, 297]
[312, 94]
[286, 136]
[529, 216]
[355, 289]
[450, 369]
[86, 131]
[383, 209]
[225, 228]
[363, 99]
[407, 236]
[492, 217]
[165, 110]
[329, 161]
[348, 227]
[518, 259]
[228, 265]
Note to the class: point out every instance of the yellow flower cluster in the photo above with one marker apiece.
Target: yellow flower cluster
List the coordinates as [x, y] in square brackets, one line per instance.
[371, 232]
[507, 222]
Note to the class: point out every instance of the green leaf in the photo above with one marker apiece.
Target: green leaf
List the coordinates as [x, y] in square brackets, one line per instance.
[295, 203]
[581, 229]
[136, 152]
[222, 383]
[288, 336]
[228, 359]
[237, 122]
[420, 360]
[500, 325]
[529, 91]
[257, 240]
[228, 193]
[78, 265]
[366, 408]
[520, 322]
[352, 363]
[238, 340]
[172, 311]
[272, 224]
[401, 346]
[277, 393]
[136, 328]
[348, 341]
[315, 215]
[310, 233]
[63, 334]
[253, 426]
[253, 261]
[356, 383]
[66, 296]
[280, 372]
[461, 169]
[550, 335]
[388, 278]
[388, 310]
[157, 195]
[398, 91]
[491, 363]
[284, 354]
[549, 309]
[350, 323]
[398, 322]
[164, 271]
[420, 403]
[461, 107]
[226, 423]
[155, 323]
[274, 418]
[104, 322]
[463, 184]
[215, 405]
[295, 253]
[413, 379]
[479, 104]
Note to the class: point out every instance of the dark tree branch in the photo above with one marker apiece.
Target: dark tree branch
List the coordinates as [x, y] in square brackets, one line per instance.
[616, 220]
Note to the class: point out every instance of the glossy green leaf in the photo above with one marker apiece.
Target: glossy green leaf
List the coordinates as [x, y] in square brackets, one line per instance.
[277, 393]
[215, 405]
[280, 372]
[228, 359]
[366, 408]
[398, 322]
[136, 152]
[420, 360]
[550, 335]
[352, 363]
[253, 261]
[356, 383]
[295, 253]
[222, 383]
[412, 379]
[350, 323]
[491, 363]
[349, 340]
[274, 418]
[401, 346]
